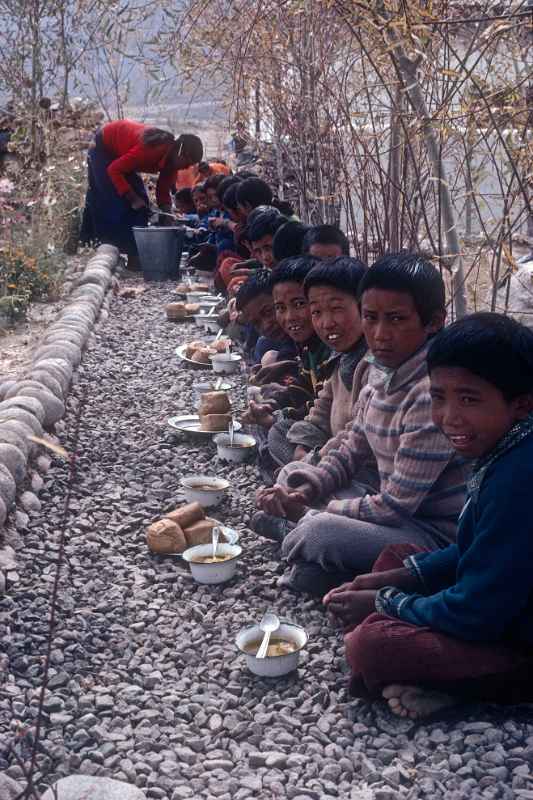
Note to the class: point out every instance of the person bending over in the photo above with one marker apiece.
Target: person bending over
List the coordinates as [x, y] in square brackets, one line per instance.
[417, 493]
[429, 628]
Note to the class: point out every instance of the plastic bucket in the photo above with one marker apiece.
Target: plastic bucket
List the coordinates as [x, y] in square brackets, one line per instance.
[159, 252]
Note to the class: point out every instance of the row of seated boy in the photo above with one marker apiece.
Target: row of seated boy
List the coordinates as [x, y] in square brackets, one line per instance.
[398, 453]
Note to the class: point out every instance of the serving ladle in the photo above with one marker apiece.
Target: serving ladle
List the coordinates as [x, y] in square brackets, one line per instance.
[268, 625]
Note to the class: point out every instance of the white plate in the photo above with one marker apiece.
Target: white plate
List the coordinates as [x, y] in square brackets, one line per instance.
[190, 424]
[180, 352]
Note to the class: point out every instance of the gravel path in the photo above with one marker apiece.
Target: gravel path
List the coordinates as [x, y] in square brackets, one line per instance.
[146, 684]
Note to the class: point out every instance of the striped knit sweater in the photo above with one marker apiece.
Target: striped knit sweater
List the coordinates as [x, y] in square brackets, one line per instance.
[421, 479]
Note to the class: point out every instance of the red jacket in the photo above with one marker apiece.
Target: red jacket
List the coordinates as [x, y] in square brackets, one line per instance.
[123, 139]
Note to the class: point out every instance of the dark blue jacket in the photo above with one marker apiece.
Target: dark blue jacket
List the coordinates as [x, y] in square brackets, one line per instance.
[480, 589]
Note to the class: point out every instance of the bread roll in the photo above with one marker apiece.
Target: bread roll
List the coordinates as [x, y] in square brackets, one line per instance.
[201, 356]
[200, 287]
[200, 532]
[192, 308]
[214, 422]
[191, 348]
[165, 536]
[176, 310]
[186, 515]
[215, 403]
[220, 346]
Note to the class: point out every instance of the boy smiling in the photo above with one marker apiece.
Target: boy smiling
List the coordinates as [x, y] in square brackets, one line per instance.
[471, 603]
[420, 486]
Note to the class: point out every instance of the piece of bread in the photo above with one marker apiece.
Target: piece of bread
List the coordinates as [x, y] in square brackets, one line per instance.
[220, 346]
[176, 310]
[200, 287]
[192, 308]
[186, 515]
[214, 422]
[215, 403]
[166, 536]
[201, 356]
[200, 532]
[191, 348]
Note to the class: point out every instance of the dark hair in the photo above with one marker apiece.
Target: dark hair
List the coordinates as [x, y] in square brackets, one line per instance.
[198, 187]
[257, 284]
[343, 273]
[326, 234]
[293, 270]
[242, 174]
[202, 166]
[184, 196]
[225, 183]
[214, 181]
[494, 347]
[264, 224]
[412, 274]
[288, 240]
[230, 198]
[254, 192]
[190, 145]
[153, 137]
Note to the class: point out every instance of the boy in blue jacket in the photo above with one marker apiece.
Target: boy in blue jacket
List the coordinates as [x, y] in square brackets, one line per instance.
[429, 628]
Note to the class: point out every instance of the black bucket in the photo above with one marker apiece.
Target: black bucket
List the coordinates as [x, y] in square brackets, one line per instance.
[160, 252]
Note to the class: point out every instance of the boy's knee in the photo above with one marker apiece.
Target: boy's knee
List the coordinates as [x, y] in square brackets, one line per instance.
[367, 646]
[305, 542]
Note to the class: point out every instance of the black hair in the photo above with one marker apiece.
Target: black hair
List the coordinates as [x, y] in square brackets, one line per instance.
[293, 270]
[257, 284]
[203, 165]
[225, 183]
[410, 273]
[153, 137]
[254, 192]
[494, 347]
[198, 187]
[343, 273]
[264, 224]
[230, 198]
[190, 145]
[243, 174]
[184, 196]
[214, 181]
[326, 234]
[288, 240]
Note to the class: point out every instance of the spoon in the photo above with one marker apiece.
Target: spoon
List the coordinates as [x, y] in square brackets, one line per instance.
[211, 311]
[268, 625]
[214, 541]
[219, 334]
[231, 429]
[218, 384]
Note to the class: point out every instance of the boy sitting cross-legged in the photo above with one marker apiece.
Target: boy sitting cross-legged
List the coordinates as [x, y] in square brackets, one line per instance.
[418, 490]
[459, 621]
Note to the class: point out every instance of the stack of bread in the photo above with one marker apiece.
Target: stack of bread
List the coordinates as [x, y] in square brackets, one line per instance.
[200, 351]
[185, 527]
[214, 411]
[178, 311]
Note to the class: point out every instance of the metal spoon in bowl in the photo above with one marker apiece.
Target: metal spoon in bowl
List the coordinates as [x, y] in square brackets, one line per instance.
[268, 624]
[231, 431]
[215, 534]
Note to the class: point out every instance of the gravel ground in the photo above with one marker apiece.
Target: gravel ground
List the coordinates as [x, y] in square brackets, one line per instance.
[146, 684]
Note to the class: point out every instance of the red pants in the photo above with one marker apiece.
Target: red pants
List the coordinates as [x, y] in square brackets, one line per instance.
[383, 650]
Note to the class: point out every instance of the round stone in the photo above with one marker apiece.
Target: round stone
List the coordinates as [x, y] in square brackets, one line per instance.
[8, 487]
[12, 414]
[60, 369]
[48, 380]
[3, 517]
[53, 407]
[15, 461]
[20, 430]
[65, 335]
[5, 386]
[27, 403]
[66, 350]
[9, 436]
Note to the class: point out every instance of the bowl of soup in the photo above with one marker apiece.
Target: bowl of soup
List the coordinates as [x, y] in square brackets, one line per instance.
[240, 451]
[283, 652]
[225, 363]
[206, 569]
[204, 489]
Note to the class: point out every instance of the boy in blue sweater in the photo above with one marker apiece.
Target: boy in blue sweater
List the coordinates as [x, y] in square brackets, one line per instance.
[427, 628]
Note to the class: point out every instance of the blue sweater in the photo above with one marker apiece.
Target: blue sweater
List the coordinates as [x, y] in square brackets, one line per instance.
[481, 588]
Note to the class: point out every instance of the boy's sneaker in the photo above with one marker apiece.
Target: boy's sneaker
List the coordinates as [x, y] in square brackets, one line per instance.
[271, 527]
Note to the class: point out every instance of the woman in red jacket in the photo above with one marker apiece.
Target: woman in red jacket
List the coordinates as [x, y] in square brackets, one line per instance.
[116, 196]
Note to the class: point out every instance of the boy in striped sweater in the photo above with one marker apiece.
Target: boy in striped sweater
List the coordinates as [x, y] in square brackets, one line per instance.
[420, 487]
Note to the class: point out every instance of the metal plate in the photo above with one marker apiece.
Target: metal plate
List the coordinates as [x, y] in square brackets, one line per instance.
[180, 352]
[190, 424]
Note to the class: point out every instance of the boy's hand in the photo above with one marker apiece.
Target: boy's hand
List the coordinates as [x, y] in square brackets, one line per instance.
[280, 502]
[400, 578]
[259, 414]
[350, 607]
[300, 452]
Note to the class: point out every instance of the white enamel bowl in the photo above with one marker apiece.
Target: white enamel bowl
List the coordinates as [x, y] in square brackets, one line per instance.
[272, 666]
[213, 573]
[225, 365]
[196, 491]
[243, 447]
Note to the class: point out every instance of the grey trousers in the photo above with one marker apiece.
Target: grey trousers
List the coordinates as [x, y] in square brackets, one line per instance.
[325, 550]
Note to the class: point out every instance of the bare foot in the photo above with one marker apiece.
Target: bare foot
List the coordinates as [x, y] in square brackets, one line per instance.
[415, 702]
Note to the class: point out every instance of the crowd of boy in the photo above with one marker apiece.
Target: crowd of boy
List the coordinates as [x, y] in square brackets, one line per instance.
[397, 452]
